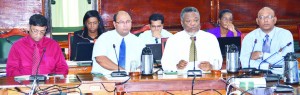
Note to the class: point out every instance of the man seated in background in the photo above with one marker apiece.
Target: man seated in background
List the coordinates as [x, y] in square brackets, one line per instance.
[117, 46]
[157, 32]
[27, 52]
[270, 39]
[191, 44]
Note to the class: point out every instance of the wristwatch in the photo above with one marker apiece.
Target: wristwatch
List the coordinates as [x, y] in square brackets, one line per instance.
[261, 55]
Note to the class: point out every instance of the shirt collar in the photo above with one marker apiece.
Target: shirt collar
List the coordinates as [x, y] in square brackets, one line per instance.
[187, 34]
[271, 33]
[31, 42]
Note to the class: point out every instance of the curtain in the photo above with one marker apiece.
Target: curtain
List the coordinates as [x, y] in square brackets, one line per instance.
[69, 13]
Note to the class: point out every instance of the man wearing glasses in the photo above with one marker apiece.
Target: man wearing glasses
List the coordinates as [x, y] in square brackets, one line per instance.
[28, 52]
[117, 46]
[157, 32]
[270, 39]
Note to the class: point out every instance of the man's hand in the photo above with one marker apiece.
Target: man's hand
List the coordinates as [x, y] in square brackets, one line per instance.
[205, 66]
[182, 64]
[256, 55]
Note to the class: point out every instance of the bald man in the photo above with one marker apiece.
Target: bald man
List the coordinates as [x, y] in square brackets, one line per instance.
[117, 46]
[270, 39]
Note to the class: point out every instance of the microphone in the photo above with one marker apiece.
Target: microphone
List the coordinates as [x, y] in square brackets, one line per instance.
[118, 73]
[36, 78]
[249, 70]
[276, 66]
[194, 72]
[265, 60]
[9, 41]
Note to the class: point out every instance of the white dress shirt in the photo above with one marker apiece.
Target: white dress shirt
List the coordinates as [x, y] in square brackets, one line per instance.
[178, 47]
[278, 38]
[104, 47]
[149, 39]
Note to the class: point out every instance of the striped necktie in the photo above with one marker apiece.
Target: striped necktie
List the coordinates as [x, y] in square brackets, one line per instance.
[266, 45]
[193, 51]
[35, 59]
[122, 54]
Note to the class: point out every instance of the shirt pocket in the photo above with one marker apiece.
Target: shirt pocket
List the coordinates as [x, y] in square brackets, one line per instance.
[48, 63]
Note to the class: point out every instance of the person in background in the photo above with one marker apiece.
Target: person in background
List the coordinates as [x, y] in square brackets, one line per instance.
[191, 45]
[93, 28]
[117, 46]
[269, 39]
[226, 28]
[157, 32]
[27, 52]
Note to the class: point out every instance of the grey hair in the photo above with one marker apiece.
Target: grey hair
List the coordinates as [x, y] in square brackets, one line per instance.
[188, 9]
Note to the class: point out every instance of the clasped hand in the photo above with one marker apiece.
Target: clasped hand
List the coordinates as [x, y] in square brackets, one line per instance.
[204, 65]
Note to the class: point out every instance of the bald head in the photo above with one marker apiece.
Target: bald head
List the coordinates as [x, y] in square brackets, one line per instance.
[266, 19]
[266, 10]
[122, 23]
[122, 13]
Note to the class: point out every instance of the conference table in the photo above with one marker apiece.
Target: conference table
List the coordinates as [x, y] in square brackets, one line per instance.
[156, 84]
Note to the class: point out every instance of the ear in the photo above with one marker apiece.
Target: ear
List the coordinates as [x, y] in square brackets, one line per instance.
[114, 24]
[257, 21]
[181, 22]
[275, 20]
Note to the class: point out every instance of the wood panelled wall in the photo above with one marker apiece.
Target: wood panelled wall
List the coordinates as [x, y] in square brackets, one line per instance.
[140, 10]
[244, 11]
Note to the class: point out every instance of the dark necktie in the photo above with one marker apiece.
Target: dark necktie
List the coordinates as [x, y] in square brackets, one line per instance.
[266, 45]
[156, 41]
[122, 54]
[193, 51]
[35, 59]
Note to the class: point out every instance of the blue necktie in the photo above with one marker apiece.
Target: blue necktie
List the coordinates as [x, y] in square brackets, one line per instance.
[122, 54]
[266, 45]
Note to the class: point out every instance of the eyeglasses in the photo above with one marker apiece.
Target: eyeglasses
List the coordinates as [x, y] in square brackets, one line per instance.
[266, 17]
[124, 22]
[226, 19]
[189, 21]
[157, 26]
[37, 31]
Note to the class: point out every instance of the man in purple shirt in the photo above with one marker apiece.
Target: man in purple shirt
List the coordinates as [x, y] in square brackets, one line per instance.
[226, 28]
[27, 52]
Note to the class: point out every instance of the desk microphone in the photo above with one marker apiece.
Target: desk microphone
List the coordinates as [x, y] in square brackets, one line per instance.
[36, 78]
[118, 73]
[265, 60]
[194, 72]
[249, 69]
[276, 66]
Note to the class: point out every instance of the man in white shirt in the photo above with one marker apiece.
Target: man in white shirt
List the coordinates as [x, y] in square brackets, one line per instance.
[157, 32]
[117, 46]
[270, 39]
[179, 54]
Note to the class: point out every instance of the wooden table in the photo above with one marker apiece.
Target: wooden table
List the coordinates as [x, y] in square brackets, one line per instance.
[138, 85]
[8, 85]
[159, 84]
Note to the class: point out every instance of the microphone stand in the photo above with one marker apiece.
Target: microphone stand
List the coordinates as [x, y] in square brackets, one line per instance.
[36, 78]
[250, 70]
[194, 72]
[265, 60]
[118, 73]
